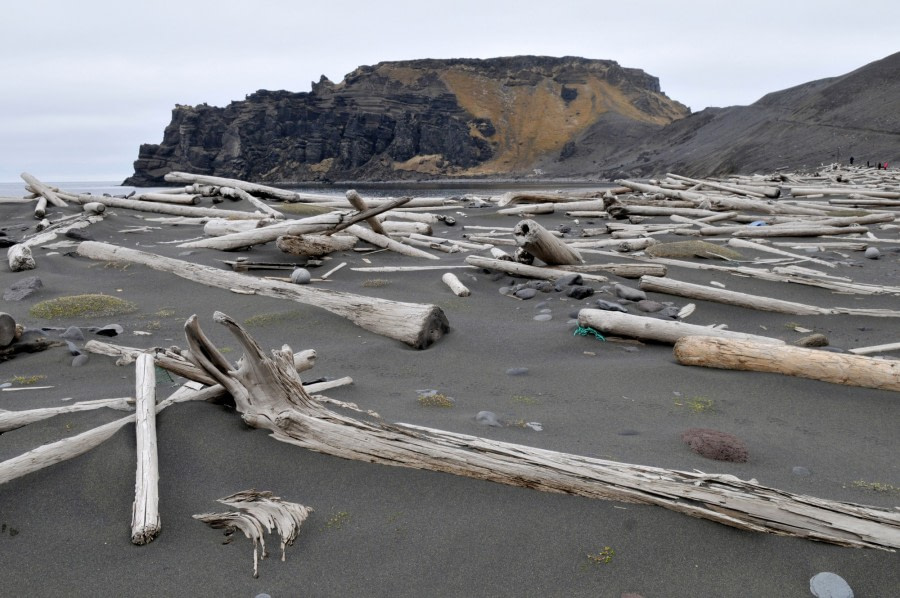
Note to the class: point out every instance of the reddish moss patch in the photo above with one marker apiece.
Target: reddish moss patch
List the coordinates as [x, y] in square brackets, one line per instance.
[713, 444]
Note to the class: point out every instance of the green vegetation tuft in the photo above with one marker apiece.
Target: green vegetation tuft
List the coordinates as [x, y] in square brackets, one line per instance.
[337, 519]
[603, 557]
[74, 306]
[374, 283]
[875, 486]
[697, 404]
[435, 400]
[25, 380]
[272, 318]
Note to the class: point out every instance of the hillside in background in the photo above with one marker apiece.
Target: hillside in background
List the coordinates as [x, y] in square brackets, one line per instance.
[857, 114]
[411, 119]
[524, 116]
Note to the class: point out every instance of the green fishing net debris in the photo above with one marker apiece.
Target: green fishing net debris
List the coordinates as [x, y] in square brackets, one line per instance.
[586, 330]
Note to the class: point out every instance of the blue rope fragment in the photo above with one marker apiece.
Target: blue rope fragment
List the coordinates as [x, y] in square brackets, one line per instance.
[586, 330]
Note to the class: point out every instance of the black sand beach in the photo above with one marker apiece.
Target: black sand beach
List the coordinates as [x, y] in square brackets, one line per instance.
[390, 531]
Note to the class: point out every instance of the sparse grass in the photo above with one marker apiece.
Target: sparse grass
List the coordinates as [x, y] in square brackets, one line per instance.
[697, 404]
[874, 486]
[435, 400]
[375, 283]
[166, 312]
[524, 400]
[603, 557]
[153, 325]
[226, 349]
[25, 380]
[74, 306]
[337, 519]
[271, 318]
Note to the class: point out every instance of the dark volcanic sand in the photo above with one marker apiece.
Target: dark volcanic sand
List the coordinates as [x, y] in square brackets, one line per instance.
[386, 531]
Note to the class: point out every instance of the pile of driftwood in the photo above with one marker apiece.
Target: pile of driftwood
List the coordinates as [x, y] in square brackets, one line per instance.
[269, 393]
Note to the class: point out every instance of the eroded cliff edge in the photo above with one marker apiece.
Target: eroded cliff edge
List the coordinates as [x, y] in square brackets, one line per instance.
[414, 119]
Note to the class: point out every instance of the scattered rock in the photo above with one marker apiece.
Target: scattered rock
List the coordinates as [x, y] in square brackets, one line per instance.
[544, 286]
[629, 432]
[78, 235]
[650, 306]
[79, 360]
[800, 471]
[567, 281]
[73, 348]
[23, 288]
[579, 292]
[526, 293]
[110, 330]
[301, 276]
[813, 340]
[73, 333]
[629, 293]
[717, 445]
[610, 306]
[829, 585]
[488, 418]
[516, 371]
[670, 312]
[543, 317]
[872, 253]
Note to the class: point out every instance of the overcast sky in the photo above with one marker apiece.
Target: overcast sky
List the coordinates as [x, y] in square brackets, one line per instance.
[84, 83]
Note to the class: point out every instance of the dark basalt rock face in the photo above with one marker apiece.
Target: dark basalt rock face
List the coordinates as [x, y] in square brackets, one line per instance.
[411, 119]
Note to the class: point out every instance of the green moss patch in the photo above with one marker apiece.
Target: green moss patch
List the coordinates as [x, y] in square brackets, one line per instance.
[75, 306]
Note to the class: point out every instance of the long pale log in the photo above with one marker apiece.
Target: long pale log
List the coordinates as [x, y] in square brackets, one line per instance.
[537, 240]
[269, 395]
[715, 185]
[731, 203]
[314, 245]
[159, 208]
[395, 227]
[374, 238]
[237, 193]
[261, 190]
[837, 368]
[360, 204]
[802, 191]
[514, 197]
[11, 420]
[662, 284]
[740, 243]
[267, 234]
[623, 270]
[652, 329]
[145, 520]
[876, 349]
[517, 269]
[180, 199]
[417, 325]
[43, 190]
[218, 227]
[798, 231]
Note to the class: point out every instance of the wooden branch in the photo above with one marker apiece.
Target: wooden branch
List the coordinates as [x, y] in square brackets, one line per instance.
[837, 368]
[43, 190]
[652, 329]
[537, 240]
[266, 234]
[415, 324]
[696, 291]
[517, 269]
[623, 270]
[180, 199]
[374, 238]
[360, 204]
[458, 288]
[11, 420]
[159, 208]
[235, 192]
[269, 395]
[876, 349]
[145, 520]
[315, 245]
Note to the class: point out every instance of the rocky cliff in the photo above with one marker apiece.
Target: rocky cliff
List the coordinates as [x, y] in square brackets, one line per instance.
[857, 114]
[414, 119]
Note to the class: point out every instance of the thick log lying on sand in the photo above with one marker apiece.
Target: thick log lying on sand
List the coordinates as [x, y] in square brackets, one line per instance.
[517, 269]
[623, 270]
[11, 420]
[266, 234]
[270, 395]
[417, 325]
[662, 284]
[159, 208]
[259, 190]
[181, 199]
[145, 521]
[314, 245]
[43, 190]
[652, 329]
[236, 193]
[838, 368]
[370, 236]
[360, 204]
[20, 258]
[537, 240]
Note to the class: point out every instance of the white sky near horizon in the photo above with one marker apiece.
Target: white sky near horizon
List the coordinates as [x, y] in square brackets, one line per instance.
[83, 84]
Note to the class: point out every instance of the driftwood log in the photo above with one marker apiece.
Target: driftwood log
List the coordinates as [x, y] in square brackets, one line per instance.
[417, 325]
[537, 240]
[145, 520]
[20, 258]
[517, 269]
[458, 288]
[837, 368]
[269, 395]
[314, 245]
[652, 329]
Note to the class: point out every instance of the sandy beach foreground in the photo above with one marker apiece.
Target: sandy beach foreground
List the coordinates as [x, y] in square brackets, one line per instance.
[391, 531]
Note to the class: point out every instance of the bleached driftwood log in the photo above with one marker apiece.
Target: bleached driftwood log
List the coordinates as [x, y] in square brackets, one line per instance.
[235, 192]
[145, 520]
[876, 349]
[458, 288]
[269, 395]
[181, 199]
[20, 258]
[652, 329]
[314, 245]
[159, 208]
[662, 284]
[11, 420]
[43, 190]
[94, 207]
[370, 236]
[266, 234]
[360, 204]
[517, 269]
[623, 270]
[719, 186]
[260, 190]
[417, 325]
[537, 240]
[837, 368]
